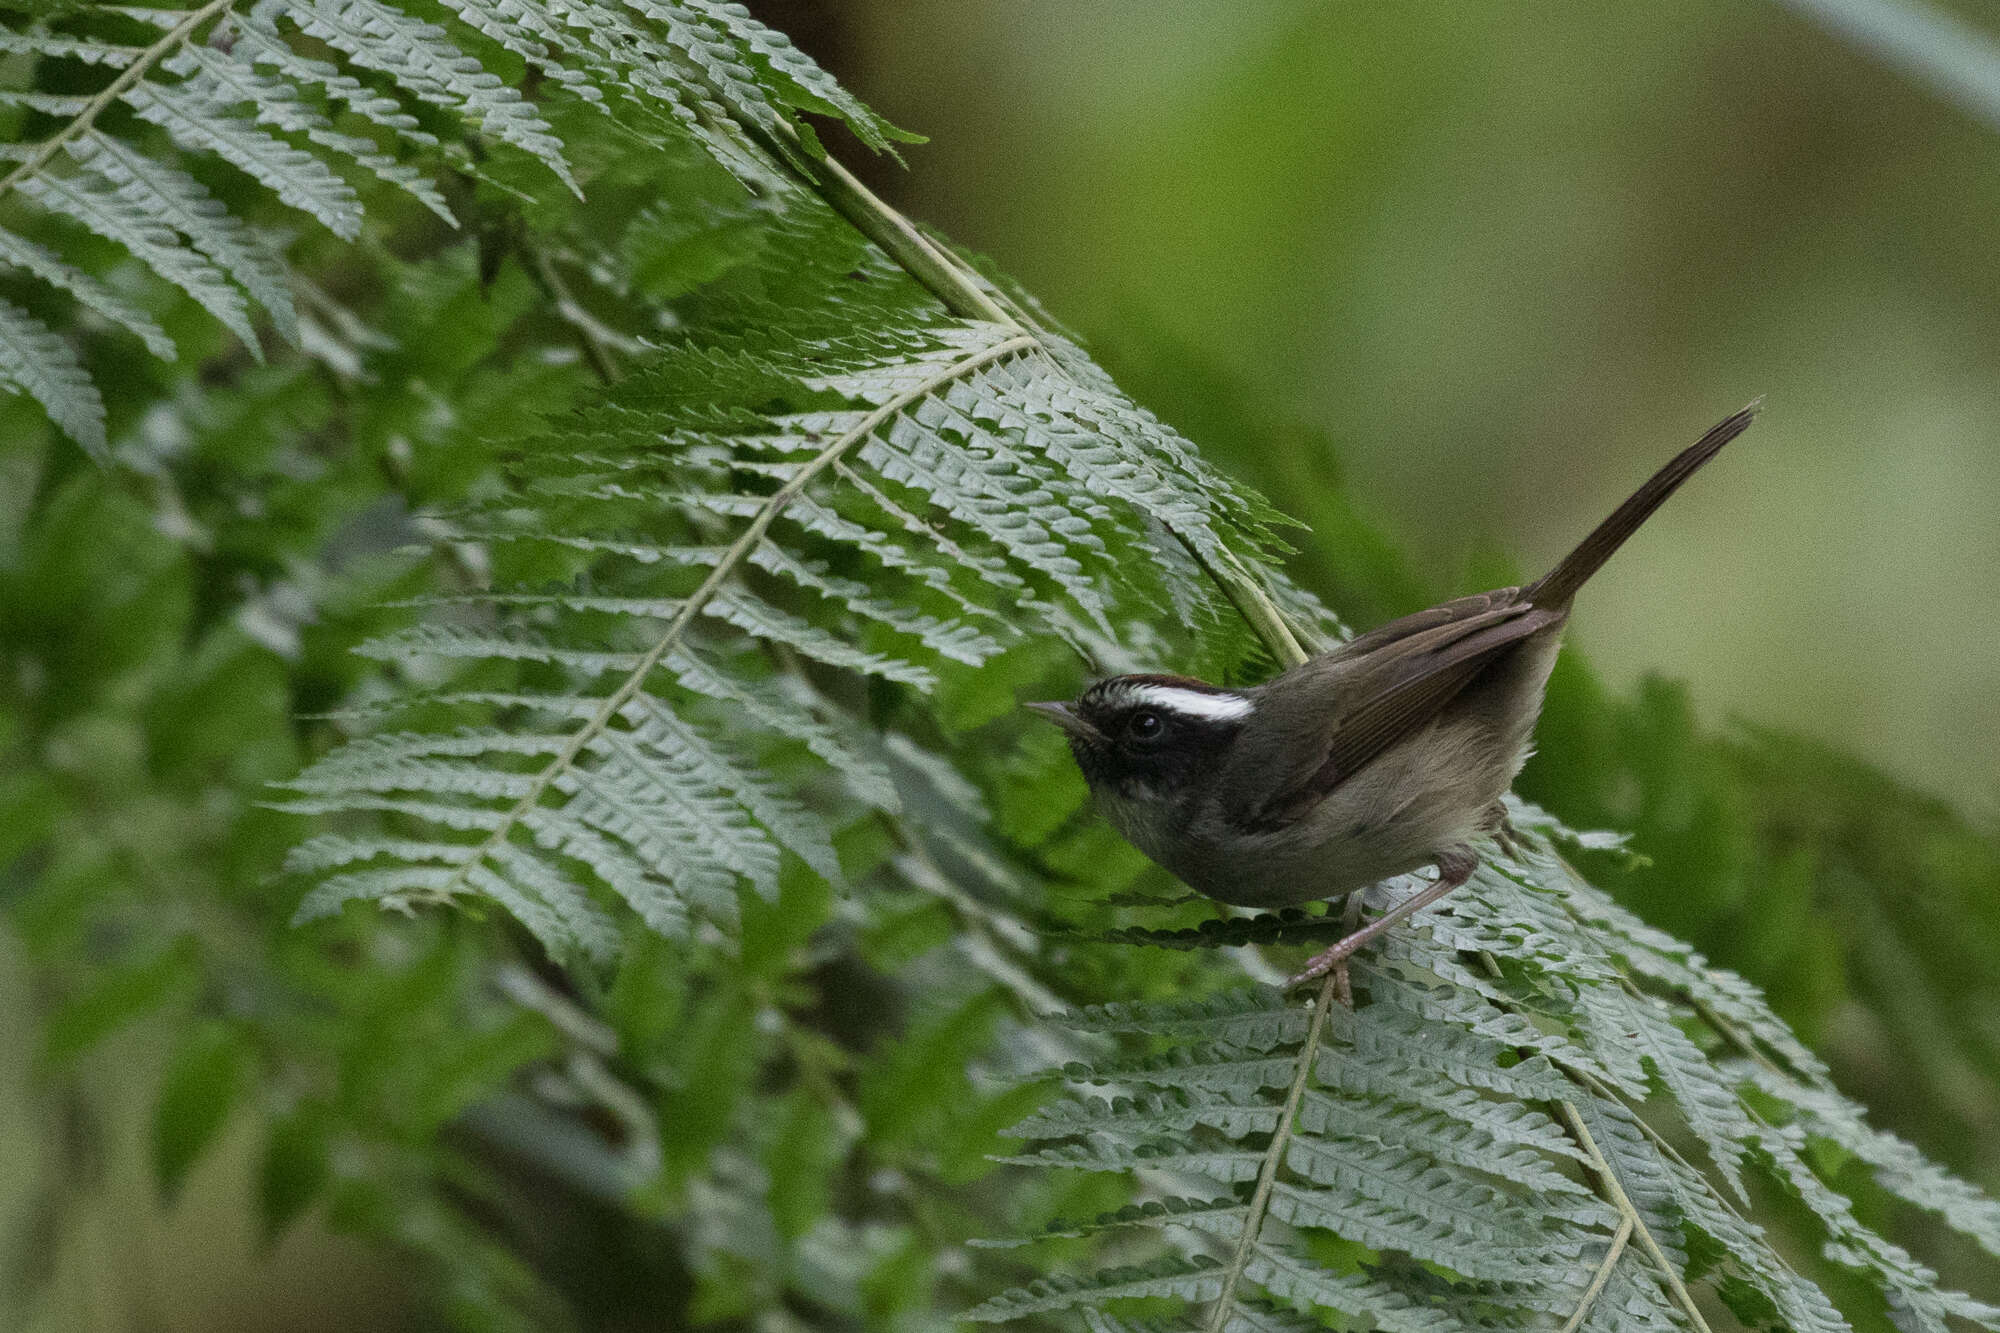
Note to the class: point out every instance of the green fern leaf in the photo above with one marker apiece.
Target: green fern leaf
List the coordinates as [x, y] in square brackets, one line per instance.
[203, 123]
[332, 851]
[1712, 1107]
[127, 217]
[1223, 1166]
[1387, 1198]
[34, 360]
[1248, 1019]
[1659, 957]
[1898, 1167]
[46, 264]
[1448, 1140]
[1413, 1302]
[1151, 1116]
[802, 82]
[49, 104]
[170, 195]
[1380, 1039]
[227, 80]
[420, 57]
[1197, 1279]
[1911, 1289]
[531, 32]
[1630, 1304]
[49, 46]
[259, 43]
[1223, 1217]
[715, 767]
[771, 705]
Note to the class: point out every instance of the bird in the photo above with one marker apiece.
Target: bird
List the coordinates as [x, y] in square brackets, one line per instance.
[1387, 753]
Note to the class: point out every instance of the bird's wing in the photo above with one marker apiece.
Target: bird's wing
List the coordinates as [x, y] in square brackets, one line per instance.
[1446, 613]
[1342, 709]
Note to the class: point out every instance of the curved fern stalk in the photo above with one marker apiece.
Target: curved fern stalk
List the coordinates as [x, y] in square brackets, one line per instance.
[1274, 1155]
[732, 560]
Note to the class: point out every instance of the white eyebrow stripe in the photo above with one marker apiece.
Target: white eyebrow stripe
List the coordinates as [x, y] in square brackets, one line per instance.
[1192, 703]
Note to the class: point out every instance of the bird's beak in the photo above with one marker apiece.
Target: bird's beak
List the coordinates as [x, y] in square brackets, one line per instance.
[1063, 716]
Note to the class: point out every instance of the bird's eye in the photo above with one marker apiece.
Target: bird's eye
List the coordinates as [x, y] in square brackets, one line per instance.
[1144, 726]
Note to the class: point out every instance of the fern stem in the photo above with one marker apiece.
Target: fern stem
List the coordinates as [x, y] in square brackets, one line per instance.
[739, 550]
[1253, 604]
[1267, 1174]
[1573, 1119]
[1610, 1188]
[901, 240]
[1602, 1276]
[174, 38]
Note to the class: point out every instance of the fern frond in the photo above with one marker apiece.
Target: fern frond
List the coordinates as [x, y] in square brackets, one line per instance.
[22, 253]
[260, 44]
[1658, 957]
[1404, 1299]
[34, 360]
[154, 189]
[1711, 1104]
[1678, 1207]
[1911, 1289]
[229, 80]
[202, 124]
[49, 46]
[1455, 1222]
[127, 217]
[1197, 1279]
[1255, 1020]
[421, 57]
[802, 83]
[1151, 1116]
[1898, 1166]
[1459, 1140]
[1220, 1216]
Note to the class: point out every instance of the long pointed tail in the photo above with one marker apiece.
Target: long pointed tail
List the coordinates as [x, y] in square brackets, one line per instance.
[1556, 587]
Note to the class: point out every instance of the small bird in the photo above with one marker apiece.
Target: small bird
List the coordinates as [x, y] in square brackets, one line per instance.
[1385, 754]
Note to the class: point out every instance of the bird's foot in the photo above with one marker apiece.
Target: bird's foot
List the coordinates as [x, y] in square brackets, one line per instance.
[1326, 961]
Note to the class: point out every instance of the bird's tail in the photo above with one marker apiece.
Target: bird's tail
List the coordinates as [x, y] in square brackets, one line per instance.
[1556, 587]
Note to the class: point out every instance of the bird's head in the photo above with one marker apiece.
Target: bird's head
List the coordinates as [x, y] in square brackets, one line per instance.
[1150, 738]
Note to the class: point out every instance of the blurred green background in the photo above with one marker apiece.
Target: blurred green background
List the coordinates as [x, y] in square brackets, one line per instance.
[1446, 281]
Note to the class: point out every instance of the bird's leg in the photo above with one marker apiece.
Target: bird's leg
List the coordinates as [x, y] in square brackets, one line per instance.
[1455, 866]
[1350, 918]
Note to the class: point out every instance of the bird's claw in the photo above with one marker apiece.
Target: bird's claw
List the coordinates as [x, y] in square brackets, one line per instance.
[1331, 960]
